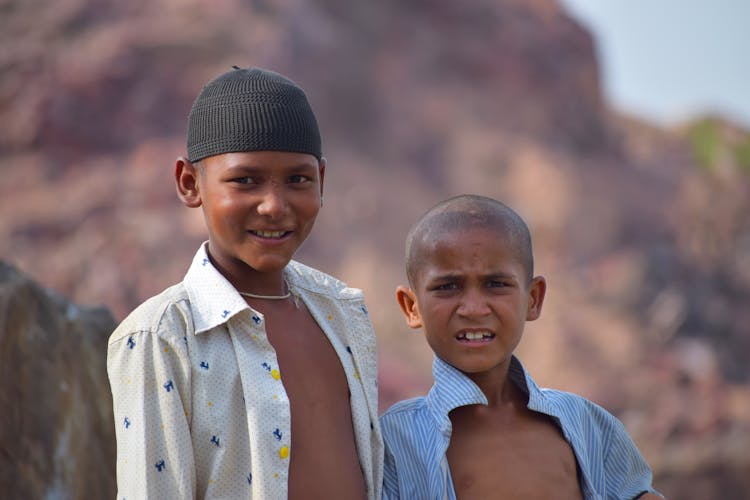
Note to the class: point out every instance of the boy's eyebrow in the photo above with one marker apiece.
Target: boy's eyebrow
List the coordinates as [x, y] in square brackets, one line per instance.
[445, 277]
[500, 274]
[457, 276]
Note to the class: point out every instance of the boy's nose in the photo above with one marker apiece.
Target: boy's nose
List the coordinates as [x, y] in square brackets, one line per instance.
[273, 202]
[473, 304]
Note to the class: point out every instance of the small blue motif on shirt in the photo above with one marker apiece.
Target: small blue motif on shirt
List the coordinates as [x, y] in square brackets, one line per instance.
[215, 440]
[250, 478]
[225, 313]
[127, 422]
[169, 386]
[256, 319]
[266, 366]
[364, 309]
[205, 262]
[160, 465]
[277, 434]
[348, 349]
[204, 365]
[131, 342]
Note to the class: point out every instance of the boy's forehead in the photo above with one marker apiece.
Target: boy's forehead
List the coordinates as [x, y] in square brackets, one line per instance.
[442, 244]
[266, 159]
[449, 224]
[469, 252]
[446, 241]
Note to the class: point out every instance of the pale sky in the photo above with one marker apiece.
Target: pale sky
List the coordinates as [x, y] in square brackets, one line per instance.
[667, 60]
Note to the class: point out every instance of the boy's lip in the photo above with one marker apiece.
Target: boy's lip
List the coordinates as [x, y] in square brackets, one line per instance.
[475, 335]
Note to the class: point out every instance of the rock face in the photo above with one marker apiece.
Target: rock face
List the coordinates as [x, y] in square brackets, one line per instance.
[56, 434]
[642, 233]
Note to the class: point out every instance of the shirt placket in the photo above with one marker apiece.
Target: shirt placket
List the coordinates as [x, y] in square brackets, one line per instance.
[267, 407]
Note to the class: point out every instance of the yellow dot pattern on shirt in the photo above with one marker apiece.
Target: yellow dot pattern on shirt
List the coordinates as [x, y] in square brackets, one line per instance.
[284, 452]
[275, 374]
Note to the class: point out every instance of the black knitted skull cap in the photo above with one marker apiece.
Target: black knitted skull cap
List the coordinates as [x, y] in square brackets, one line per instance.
[251, 109]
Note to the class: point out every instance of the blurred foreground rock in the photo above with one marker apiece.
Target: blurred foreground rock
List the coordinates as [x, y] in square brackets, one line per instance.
[56, 439]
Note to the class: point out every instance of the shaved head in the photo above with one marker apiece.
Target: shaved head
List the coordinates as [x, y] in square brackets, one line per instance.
[467, 212]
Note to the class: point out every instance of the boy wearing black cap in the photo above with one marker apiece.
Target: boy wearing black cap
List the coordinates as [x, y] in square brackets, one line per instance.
[255, 377]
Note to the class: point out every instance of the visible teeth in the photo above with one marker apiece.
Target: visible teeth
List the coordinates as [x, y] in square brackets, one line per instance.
[476, 335]
[270, 234]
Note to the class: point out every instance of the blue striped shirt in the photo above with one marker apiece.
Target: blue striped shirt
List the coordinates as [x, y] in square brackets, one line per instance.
[417, 433]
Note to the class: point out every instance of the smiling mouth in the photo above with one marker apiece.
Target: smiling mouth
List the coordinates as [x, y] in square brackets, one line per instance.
[272, 235]
[483, 336]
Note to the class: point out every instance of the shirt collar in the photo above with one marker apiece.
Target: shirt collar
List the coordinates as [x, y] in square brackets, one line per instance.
[453, 388]
[215, 300]
[212, 297]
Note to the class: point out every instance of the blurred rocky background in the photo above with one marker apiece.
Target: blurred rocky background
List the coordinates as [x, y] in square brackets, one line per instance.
[642, 232]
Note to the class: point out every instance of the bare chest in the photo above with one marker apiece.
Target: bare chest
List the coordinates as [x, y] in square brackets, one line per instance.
[324, 461]
[311, 370]
[530, 459]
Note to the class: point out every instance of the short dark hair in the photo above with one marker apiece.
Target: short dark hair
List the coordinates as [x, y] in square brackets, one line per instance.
[465, 212]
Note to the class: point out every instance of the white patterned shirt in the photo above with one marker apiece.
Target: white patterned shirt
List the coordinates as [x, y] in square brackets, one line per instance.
[200, 408]
[417, 433]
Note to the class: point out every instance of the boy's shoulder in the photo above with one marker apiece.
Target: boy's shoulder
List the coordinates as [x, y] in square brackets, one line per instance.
[319, 282]
[404, 417]
[578, 412]
[557, 402]
[171, 305]
[405, 406]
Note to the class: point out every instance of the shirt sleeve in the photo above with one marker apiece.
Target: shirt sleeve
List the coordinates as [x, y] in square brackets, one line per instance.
[149, 377]
[628, 475]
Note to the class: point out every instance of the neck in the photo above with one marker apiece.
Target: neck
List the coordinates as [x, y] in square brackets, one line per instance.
[281, 296]
[246, 279]
[496, 385]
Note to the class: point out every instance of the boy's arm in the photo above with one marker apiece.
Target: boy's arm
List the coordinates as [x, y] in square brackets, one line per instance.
[149, 377]
[628, 474]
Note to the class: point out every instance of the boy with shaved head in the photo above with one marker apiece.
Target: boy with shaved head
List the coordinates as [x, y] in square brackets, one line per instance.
[485, 430]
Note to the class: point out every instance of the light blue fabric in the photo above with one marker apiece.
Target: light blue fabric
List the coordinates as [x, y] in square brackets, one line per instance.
[417, 433]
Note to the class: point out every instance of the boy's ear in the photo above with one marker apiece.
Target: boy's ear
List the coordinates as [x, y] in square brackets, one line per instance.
[537, 289]
[322, 172]
[186, 180]
[408, 302]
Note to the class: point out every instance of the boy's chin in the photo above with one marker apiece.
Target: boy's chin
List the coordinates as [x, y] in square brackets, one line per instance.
[272, 265]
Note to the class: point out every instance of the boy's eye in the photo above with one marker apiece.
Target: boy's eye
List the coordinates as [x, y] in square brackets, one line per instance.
[299, 179]
[497, 284]
[446, 286]
[243, 180]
